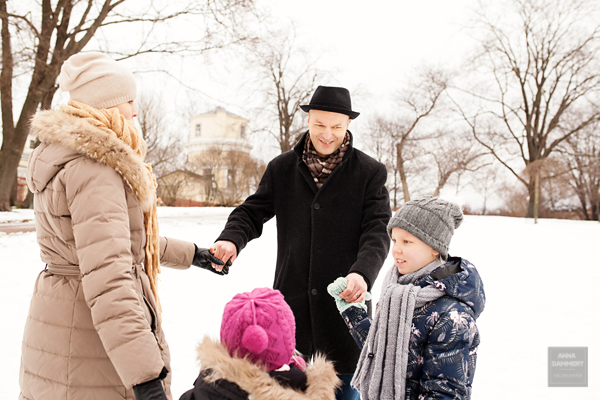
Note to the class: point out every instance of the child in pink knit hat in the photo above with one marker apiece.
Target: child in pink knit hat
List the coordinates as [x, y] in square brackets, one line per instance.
[255, 357]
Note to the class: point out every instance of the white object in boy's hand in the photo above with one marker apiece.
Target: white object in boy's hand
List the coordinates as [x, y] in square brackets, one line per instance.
[337, 287]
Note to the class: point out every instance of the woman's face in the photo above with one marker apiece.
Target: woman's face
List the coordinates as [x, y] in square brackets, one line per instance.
[127, 110]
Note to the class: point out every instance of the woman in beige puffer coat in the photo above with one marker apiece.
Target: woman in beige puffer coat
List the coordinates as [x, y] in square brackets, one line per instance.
[94, 327]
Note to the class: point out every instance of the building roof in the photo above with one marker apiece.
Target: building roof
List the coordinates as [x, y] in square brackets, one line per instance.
[216, 110]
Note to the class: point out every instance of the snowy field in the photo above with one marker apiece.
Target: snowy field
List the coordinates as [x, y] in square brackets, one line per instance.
[539, 280]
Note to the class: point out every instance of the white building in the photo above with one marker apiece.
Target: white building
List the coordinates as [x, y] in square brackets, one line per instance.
[215, 138]
[219, 169]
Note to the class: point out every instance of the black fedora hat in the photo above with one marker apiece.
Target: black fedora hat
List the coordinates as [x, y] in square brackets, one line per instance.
[332, 99]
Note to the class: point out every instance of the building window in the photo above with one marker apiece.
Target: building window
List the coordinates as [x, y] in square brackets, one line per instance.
[198, 130]
[243, 131]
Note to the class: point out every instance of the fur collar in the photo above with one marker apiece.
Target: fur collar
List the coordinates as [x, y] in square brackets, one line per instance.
[84, 138]
[214, 358]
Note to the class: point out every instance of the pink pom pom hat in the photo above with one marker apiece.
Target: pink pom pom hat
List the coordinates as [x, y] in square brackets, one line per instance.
[260, 325]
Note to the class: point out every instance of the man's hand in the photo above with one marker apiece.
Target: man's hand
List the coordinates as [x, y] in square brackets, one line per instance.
[224, 251]
[356, 290]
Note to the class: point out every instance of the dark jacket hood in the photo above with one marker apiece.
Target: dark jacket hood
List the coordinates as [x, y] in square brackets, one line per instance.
[458, 278]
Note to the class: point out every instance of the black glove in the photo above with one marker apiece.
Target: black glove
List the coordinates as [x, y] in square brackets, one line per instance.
[203, 259]
[151, 390]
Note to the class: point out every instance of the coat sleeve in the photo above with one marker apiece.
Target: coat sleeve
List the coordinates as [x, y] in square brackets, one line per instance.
[100, 220]
[446, 357]
[175, 253]
[359, 323]
[374, 243]
[246, 221]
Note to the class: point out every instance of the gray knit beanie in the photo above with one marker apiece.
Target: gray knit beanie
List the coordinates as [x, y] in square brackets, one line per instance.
[430, 219]
[97, 80]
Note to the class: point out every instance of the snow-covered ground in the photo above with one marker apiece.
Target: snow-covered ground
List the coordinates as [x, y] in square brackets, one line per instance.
[539, 279]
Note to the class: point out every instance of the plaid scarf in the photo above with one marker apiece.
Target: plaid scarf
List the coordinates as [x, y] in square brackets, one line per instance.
[320, 168]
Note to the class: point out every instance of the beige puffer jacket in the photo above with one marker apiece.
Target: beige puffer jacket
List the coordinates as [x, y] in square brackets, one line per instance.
[92, 330]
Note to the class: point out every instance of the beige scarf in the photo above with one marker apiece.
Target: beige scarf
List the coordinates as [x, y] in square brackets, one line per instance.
[112, 122]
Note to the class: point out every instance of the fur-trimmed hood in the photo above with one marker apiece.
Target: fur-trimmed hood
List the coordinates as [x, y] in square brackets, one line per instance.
[216, 362]
[76, 137]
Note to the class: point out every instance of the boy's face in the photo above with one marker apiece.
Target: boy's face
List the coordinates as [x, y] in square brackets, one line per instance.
[409, 252]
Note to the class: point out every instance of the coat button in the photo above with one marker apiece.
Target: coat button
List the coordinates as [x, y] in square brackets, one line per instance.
[314, 292]
[317, 206]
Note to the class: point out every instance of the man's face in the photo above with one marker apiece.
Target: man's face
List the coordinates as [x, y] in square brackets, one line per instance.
[327, 130]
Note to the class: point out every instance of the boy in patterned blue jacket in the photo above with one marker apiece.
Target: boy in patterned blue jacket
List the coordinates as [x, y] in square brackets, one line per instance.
[422, 343]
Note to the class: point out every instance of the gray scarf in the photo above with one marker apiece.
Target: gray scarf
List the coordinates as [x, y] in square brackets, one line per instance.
[381, 371]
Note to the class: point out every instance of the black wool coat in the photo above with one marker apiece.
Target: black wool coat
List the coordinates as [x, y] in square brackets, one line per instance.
[322, 234]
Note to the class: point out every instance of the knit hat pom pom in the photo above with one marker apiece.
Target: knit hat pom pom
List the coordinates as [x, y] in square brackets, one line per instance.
[255, 339]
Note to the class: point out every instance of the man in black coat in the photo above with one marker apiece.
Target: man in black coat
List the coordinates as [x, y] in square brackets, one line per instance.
[332, 209]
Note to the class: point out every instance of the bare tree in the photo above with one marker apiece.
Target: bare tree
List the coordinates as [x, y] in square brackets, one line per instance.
[55, 30]
[228, 175]
[243, 176]
[171, 186]
[454, 155]
[287, 80]
[486, 181]
[399, 133]
[583, 158]
[544, 83]
[162, 136]
[381, 138]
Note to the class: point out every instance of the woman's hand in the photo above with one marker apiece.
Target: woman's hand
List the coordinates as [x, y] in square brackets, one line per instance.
[151, 390]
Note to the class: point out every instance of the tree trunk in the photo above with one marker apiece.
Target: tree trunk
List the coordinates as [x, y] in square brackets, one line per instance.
[402, 172]
[442, 182]
[13, 192]
[531, 199]
[8, 125]
[536, 198]
[28, 202]
[395, 190]
[484, 210]
[12, 153]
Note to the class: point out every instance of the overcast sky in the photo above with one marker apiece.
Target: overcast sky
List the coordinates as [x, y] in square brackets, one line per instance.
[374, 45]
[372, 48]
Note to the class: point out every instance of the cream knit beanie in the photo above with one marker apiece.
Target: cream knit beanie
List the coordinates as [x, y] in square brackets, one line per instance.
[97, 80]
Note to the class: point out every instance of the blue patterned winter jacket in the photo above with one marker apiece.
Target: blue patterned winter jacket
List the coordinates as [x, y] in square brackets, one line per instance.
[444, 338]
